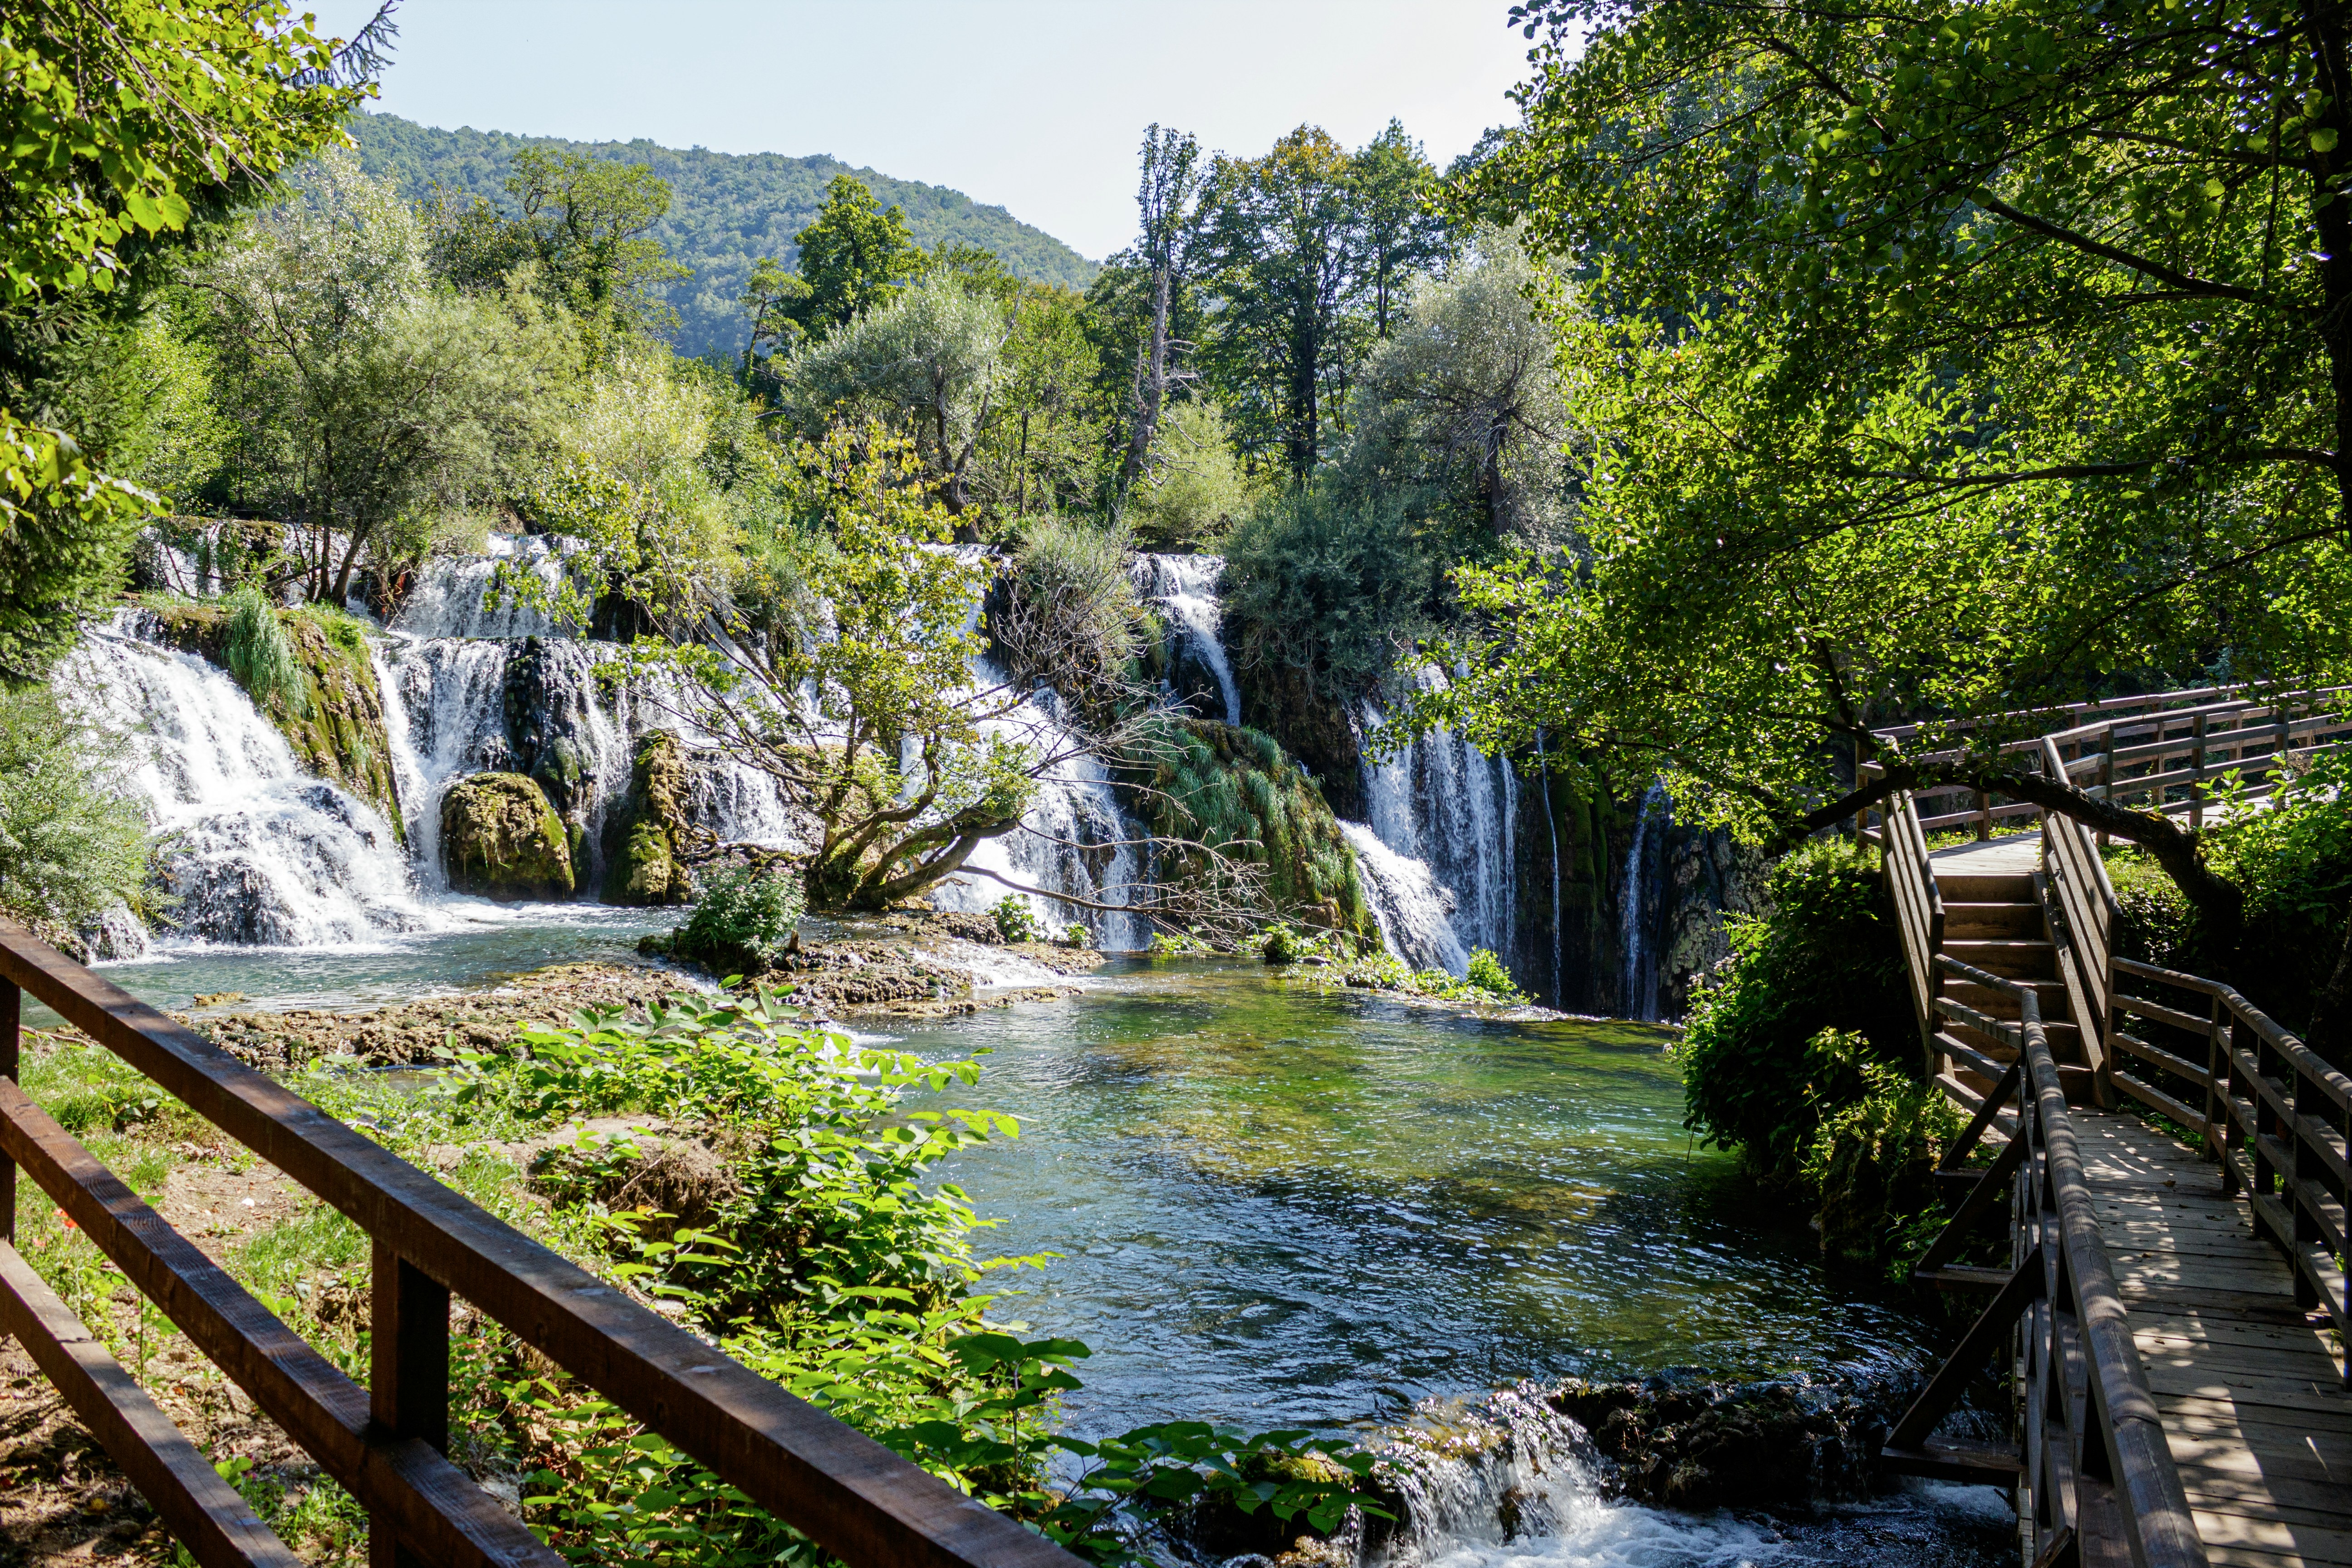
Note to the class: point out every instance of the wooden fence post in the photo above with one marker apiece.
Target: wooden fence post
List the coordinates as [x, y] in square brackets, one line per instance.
[12, 1027]
[2196, 785]
[2108, 774]
[408, 1375]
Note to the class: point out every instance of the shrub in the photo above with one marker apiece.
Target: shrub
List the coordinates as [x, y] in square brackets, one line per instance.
[1334, 585]
[73, 836]
[1281, 945]
[1075, 935]
[739, 918]
[261, 656]
[1068, 615]
[1016, 920]
[1826, 957]
[1488, 974]
[1871, 1159]
[1196, 490]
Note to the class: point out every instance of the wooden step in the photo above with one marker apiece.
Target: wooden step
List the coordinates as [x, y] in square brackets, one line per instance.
[2023, 959]
[1964, 922]
[1997, 1004]
[1985, 887]
[2066, 1041]
[1970, 1055]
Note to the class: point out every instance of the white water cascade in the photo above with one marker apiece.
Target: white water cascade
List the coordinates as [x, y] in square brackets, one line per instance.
[255, 851]
[1415, 915]
[1184, 588]
[1442, 801]
[1641, 978]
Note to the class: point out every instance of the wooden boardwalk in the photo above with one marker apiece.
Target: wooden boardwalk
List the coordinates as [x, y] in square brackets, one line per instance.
[2250, 1387]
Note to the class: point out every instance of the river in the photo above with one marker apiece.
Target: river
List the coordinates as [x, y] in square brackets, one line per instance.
[1278, 1203]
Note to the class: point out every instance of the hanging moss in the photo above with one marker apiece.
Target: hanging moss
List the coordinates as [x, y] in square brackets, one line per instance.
[328, 709]
[1218, 785]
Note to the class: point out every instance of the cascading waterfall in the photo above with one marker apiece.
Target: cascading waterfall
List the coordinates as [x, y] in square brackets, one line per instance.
[255, 851]
[1641, 978]
[1184, 588]
[1074, 840]
[1414, 914]
[449, 597]
[1443, 802]
[1551, 823]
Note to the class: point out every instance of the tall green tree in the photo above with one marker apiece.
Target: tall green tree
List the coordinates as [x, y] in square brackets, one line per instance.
[586, 226]
[1951, 360]
[1167, 197]
[127, 124]
[1403, 232]
[853, 257]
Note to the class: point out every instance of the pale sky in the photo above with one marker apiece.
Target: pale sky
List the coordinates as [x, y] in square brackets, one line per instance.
[1034, 105]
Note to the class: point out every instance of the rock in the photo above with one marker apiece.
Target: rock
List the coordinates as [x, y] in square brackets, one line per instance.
[1703, 1446]
[500, 837]
[551, 715]
[1284, 701]
[645, 841]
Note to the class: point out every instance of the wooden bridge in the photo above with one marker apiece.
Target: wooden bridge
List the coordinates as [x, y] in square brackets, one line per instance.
[2171, 1165]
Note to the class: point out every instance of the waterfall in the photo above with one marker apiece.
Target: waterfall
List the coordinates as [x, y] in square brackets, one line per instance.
[255, 850]
[445, 714]
[1558, 921]
[446, 599]
[1641, 989]
[1074, 838]
[1184, 588]
[1414, 914]
[1443, 802]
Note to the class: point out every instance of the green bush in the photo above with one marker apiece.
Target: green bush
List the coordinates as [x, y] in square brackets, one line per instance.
[1016, 920]
[1069, 615]
[1488, 974]
[739, 918]
[1826, 957]
[2291, 858]
[1871, 1159]
[261, 656]
[73, 836]
[1330, 585]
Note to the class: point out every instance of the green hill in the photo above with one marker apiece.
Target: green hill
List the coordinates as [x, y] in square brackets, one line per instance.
[727, 210]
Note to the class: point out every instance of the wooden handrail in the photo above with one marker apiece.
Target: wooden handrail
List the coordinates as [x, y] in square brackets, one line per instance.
[2098, 1472]
[855, 1497]
[2275, 1116]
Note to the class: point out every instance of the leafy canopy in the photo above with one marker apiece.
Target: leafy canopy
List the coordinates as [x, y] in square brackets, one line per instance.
[1952, 359]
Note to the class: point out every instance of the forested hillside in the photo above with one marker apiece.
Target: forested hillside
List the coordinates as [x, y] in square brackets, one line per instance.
[727, 210]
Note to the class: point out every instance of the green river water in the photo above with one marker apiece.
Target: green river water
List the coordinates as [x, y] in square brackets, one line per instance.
[1279, 1203]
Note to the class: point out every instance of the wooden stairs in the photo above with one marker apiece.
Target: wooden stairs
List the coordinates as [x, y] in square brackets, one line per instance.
[1994, 920]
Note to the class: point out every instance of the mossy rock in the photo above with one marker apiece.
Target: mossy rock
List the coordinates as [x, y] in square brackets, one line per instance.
[645, 841]
[1215, 784]
[337, 729]
[500, 838]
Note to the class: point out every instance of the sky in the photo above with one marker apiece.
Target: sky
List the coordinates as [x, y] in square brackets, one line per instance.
[1034, 105]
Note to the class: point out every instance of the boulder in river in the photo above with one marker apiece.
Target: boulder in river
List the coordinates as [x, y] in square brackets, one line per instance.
[501, 838]
[645, 846]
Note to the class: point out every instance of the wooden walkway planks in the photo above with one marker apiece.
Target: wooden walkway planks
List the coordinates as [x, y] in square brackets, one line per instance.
[2250, 1387]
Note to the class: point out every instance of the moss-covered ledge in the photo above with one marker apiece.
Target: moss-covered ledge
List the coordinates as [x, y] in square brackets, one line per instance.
[342, 737]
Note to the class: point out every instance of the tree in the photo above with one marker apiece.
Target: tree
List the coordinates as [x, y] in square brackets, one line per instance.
[852, 687]
[368, 398]
[1953, 361]
[1403, 233]
[1283, 242]
[585, 222]
[1043, 448]
[1166, 196]
[128, 122]
[853, 257]
[929, 363]
[1466, 400]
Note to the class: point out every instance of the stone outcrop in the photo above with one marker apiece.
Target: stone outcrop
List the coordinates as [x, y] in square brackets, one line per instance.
[501, 838]
[1701, 1446]
[1285, 703]
[645, 840]
[548, 714]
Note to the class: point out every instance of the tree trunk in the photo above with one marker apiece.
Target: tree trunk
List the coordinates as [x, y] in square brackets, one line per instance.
[1150, 390]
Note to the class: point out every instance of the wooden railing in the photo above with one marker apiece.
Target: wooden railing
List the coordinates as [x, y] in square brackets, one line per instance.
[1918, 910]
[2126, 749]
[2275, 1116]
[386, 1444]
[2100, 1481]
